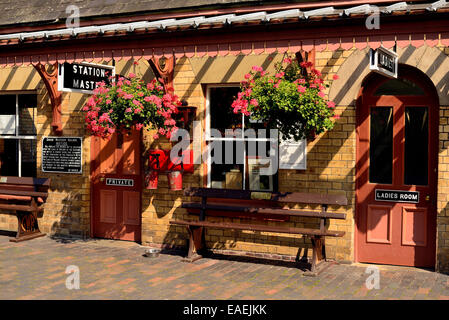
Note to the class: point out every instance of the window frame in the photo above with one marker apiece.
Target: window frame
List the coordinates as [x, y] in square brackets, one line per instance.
[17, 136]
[208, 138]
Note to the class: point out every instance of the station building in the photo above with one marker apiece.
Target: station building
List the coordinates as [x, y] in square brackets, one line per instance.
[387, 153]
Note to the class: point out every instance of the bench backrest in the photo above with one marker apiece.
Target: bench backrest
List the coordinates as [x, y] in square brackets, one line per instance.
[287, 197]
[24, 186]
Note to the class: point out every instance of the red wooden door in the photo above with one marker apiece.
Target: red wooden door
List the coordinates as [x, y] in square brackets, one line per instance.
[116, 187]
[397, 140]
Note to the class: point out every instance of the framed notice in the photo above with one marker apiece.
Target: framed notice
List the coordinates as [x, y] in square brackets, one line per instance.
[256, 180]
[62, 154]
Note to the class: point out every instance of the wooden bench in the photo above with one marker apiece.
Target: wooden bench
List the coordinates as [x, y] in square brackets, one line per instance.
[23, 197]
[252, 205]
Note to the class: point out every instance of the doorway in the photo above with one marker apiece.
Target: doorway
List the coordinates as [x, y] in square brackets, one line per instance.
[396, 178]
[116, 187]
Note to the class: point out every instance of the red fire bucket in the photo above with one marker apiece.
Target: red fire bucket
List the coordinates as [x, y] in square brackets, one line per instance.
[151, 180]
[175, 180]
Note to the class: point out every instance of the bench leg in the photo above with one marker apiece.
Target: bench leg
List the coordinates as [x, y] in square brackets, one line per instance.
[27, 227]
[317, 253]
[196, 243]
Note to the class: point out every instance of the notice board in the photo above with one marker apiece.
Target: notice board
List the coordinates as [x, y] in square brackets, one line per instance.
[62, 154]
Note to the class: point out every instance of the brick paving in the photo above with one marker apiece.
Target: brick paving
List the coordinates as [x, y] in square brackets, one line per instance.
[118, 270]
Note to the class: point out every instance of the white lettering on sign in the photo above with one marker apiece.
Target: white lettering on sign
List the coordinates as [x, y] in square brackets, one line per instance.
[397, 196]
[120, 182]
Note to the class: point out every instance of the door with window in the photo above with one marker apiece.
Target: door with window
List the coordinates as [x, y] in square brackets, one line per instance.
[116, 187]
[397, 128]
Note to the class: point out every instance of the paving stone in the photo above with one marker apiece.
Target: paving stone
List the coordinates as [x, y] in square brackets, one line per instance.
[114, 270]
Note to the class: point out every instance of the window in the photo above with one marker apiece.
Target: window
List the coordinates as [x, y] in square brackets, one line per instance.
[236, 161]
[18, 134]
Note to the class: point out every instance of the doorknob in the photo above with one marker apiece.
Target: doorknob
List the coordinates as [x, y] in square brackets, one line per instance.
[101, 179]
[427, 198]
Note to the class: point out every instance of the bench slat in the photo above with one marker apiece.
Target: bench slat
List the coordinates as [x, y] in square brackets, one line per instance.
[23, 193]
[25, 181]
[287, 197]
[17, 207]
[262, 228]
[257, 210]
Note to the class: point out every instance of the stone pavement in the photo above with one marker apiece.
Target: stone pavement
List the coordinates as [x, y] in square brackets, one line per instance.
[118, 270]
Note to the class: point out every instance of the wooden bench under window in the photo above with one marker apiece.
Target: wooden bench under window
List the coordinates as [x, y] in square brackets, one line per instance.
[259, 206]
[23, 197]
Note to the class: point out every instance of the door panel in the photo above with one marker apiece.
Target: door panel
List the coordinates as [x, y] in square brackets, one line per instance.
[378, 224]
[116, 206]
[108, 206]
[414, 226]
[131, 207]
[397, 148]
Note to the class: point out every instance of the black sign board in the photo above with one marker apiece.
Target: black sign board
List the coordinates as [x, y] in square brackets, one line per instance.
[384, 61]
[82, 77]
[62, 154]
[397, 196]
[119, 182]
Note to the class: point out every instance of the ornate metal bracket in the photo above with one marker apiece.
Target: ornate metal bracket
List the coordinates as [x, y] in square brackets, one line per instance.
[164, 69]
[51, 83]
[306, 56]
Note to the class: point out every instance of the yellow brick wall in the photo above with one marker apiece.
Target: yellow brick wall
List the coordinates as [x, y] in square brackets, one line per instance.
[330, 163]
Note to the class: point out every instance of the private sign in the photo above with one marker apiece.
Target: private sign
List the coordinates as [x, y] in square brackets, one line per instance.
[119, 182]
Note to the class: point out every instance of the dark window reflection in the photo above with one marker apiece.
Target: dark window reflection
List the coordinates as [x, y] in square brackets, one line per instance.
[381, 145]
[416, 145]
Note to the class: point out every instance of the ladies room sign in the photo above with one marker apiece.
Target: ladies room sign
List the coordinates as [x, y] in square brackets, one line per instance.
[62, 154]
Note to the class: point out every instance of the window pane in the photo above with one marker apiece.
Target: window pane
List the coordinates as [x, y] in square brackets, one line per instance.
[29, 164]
[9, 157]
[27, 114]
[221, 114]
[402, 87]
[229, 173]
[7, 114]
[381, 145]
[257, 162]
[7, 104]
[416, 145]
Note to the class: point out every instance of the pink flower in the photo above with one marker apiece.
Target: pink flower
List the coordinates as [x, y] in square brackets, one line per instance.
[108, 101]
[336, 116]
[128, 110]
[137, 110]
[321, 94]
[279, 75]
[127, 82]
[257, 68]
[331, 105]
[254, 102]
[335, 77]
[155, 136]
[247, 76]
[147, 99]
[132, 75]
[301, 89]
[287, 60]
[139, 126]
[128, 96]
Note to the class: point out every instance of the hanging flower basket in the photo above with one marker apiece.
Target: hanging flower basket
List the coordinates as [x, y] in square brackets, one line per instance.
[130, 104]
[292, 100]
